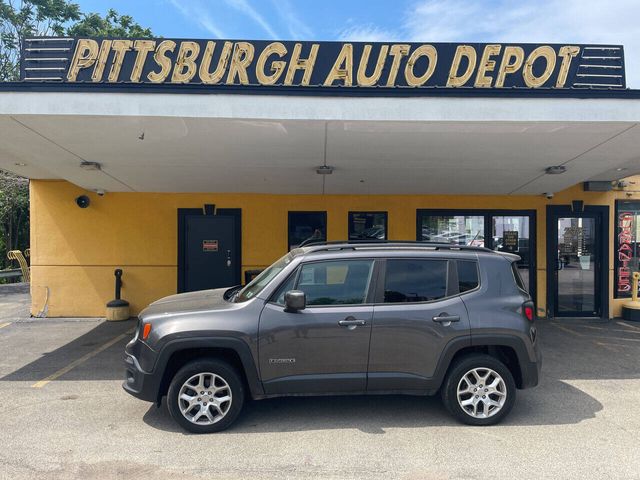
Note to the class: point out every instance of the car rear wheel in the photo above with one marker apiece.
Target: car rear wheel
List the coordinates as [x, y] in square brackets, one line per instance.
[479, 390]
[205, 396]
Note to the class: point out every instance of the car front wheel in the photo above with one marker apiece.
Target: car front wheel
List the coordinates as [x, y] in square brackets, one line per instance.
[479, 390]
[205, 396]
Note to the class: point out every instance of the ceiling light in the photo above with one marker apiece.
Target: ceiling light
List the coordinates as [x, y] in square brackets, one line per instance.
[619, 169]
[324, 170]
[90, 166]
[20, 164]
[555, 170]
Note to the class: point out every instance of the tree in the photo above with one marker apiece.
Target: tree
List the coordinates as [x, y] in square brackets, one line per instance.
[14, 214]
[111, 25]
[25, 18]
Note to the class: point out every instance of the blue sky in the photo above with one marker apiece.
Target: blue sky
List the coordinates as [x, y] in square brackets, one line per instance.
[541, 21]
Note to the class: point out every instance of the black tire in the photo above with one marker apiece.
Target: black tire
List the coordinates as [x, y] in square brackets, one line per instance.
[454, 378]
[205, 366]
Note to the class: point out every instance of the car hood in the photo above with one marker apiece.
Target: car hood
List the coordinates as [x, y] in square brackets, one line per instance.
[204, 300]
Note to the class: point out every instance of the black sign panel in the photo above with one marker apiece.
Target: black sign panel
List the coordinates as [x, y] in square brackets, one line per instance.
[510, 241]
[322, 65]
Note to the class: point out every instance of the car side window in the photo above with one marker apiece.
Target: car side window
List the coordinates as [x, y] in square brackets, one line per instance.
[335, 282]
[467, 275]
[415, 280]
[278, 296]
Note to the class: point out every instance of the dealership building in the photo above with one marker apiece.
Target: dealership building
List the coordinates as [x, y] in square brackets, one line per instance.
[192, 164]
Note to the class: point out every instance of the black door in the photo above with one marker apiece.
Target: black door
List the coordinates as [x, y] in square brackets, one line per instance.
[211, 254]
[576, 262]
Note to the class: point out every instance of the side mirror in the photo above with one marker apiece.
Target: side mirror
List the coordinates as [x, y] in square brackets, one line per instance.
[294, 301]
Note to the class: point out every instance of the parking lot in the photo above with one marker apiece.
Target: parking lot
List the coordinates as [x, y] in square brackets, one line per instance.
[63, 414]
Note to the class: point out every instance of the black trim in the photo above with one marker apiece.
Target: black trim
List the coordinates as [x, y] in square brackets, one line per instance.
[601, 215]
[317, 384]
[335, 91]
[488, 232]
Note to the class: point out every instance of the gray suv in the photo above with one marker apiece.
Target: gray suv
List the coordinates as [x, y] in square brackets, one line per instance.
[344, 318]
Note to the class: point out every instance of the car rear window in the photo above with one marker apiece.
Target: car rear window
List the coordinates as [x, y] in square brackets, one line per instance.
[467, 275]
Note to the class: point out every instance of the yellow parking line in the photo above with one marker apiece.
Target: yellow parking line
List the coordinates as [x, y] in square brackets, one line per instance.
[624, 324]
[80, 360]
[565, 329]
[6, 324]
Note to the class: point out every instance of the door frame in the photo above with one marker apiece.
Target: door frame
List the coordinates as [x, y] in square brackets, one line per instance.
[601, 215]
[183, 214]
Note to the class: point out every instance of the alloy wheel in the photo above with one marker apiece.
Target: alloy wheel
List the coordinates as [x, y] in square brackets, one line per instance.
[481, 393]
[205, 398]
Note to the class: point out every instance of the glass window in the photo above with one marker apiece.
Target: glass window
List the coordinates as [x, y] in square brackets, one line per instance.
[467, 275]
[627, 253]
[278, 297]
[511, 234]
[307, 227]
[257, 284]
[367, 225]
[456, 229]
[335, 282]
[415, 280]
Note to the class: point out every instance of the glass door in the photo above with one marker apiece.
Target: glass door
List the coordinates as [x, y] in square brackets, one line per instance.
[577, 250]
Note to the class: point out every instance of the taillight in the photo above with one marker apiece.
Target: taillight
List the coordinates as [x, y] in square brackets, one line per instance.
[146, 330]
[529, 310]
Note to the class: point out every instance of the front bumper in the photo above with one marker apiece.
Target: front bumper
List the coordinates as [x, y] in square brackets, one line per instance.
[139, 383]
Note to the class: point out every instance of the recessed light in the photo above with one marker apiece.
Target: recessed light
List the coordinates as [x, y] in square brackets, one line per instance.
[20, 164]
[620, 169]
[555, 169]
[324, 170]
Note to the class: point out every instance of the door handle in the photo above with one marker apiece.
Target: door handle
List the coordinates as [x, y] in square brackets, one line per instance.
[444, 318]
[352, 322]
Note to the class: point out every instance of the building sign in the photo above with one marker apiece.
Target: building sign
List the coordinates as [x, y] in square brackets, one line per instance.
[510, 241]
[322, 65]
[624, 253]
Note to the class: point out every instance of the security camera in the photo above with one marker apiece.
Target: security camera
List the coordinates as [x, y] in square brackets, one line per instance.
[83, 201]
[549, 195]
[100, 193]
[622, 184]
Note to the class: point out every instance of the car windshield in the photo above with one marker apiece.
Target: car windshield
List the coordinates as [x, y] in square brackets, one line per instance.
[256, 285]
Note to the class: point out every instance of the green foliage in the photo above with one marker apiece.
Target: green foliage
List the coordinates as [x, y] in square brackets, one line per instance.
[25, 18]
[14, 215]
[111, 25]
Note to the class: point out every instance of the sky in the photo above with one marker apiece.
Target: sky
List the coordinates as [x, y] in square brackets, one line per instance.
[500, 21]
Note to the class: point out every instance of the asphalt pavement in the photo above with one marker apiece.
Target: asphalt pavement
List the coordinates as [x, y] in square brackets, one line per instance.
[63, 414]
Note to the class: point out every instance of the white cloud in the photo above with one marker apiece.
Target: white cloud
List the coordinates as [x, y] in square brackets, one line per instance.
[196, 11]
[367, 33]
[296, 27]
[245, 7]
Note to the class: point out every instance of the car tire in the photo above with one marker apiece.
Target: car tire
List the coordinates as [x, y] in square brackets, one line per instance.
[206, 396]
[479, 390]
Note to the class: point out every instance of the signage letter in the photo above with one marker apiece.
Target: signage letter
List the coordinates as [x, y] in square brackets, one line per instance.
[163, 61]
[362, 79]
[549, 55]
[143, 47]
[242, 56]
[84, 56]
[456, 80]
[487, 65]
[422, 51]
[215, 76]
[342, 68]
[98, 70]
[297, 63]
[511, 61]
[185, 67]
[120, 47]
[397, 52]
[277, 66]
[567, 53]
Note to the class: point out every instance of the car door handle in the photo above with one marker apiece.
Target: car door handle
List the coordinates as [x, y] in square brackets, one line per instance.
[352, 322]
[444, 318]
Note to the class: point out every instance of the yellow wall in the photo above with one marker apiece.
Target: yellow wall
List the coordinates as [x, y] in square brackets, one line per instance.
[74, 251]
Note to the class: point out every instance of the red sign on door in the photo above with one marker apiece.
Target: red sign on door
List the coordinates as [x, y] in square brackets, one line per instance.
[210, 245]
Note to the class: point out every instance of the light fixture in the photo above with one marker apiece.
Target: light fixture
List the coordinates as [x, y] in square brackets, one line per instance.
[324, 170]
[20, 164]
[620, 169]
[555, 169]
[90, 165]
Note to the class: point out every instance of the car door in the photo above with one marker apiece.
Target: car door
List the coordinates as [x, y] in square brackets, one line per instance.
[323, 348]
[417, 313]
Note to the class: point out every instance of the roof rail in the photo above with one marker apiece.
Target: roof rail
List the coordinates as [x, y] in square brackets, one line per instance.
[353, 244]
